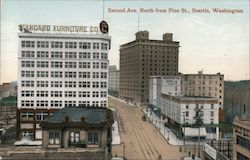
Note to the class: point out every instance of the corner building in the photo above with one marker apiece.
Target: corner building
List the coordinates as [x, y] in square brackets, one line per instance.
[56, 70]
[143, 58]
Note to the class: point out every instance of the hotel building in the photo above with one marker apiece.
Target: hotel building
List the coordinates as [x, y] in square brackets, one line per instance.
[114, 80]
[143, 58]
[56, 70]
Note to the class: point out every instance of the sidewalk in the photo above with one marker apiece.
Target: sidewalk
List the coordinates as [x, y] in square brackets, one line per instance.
[166, 132]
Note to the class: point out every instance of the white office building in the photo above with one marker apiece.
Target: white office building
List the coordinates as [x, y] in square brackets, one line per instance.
[57, 70]
[179, 111]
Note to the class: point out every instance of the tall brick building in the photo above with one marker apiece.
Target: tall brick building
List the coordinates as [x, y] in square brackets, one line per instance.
[143, 58]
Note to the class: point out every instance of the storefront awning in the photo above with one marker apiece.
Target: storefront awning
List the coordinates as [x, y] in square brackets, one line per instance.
[194, 132]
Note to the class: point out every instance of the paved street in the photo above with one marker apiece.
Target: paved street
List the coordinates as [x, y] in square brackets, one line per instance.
[140, 139]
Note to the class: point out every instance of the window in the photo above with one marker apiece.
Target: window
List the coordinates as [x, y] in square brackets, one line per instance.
[103, 74]
[211, 113]
[95, 94]
[84, 94]
[84, 103]
[56, 84]
[27, 74]
[27, 94]
[84, 55]
[42, 54]
[104, 56]
[69, 103]
[42, 44]
[28, 54]
[42, 83]
[70, 84]
[28, 44]
[84, 45]
[95, 55]
[104, 65]
[56, 74]
[70, 74]
[56, 44]
[84, 84]
[70, 45]
[27, 83]
[104, 46]
[42, 74]
[241, 157]
[27, 135]
[84, 64]
[187, 106]
[187, 113]
[70, 55]
[28, 63]
[95, 74]
[42, 93]
[40, 116]
[103, 84]
[95, 45]
[27, 103]
[56, 64]
[27, 116]
[95, 84]
[42, 103]
[56, 93]
[243, 142]
[95, 103]
[54, 138]
[70, 64]
[55, 104]
[212, 106]
[103, 103]
[70, 94]
[93, 138]
[95, 64]
[74, 137]
[84, 74]
[103, 94]
[42, 64]
[56, 54]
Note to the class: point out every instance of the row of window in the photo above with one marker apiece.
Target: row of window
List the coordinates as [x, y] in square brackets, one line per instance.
[44, 103]
[67, 55]
[58, 64]
[81, 84]
[59, 74]
[66, 93]
[58, 44]
[74, 137]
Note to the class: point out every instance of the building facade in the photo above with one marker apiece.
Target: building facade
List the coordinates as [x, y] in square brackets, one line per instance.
[209, 85]
[241, 138]
[165, 94]
[114, 81]
[143, 58]
[79, 127]
[57, 70]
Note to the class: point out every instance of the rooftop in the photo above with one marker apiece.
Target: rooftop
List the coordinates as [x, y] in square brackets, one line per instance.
[243, 122]
[91, 115]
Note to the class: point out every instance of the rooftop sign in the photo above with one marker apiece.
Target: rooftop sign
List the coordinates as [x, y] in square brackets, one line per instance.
[28, 28]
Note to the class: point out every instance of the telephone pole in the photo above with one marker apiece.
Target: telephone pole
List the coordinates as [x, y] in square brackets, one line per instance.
[198, 124]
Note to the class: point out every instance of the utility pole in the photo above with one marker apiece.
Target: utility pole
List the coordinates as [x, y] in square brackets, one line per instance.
[184, 123]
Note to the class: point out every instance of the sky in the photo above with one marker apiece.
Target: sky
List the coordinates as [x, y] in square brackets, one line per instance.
[212, 42]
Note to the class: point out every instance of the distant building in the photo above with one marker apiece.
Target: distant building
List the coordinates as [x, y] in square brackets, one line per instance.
[179, 110]
[143, 58]
[8, 107]
[8, 89]
[79, 127]
[241, 138]
[57, 70]
[114, 81]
